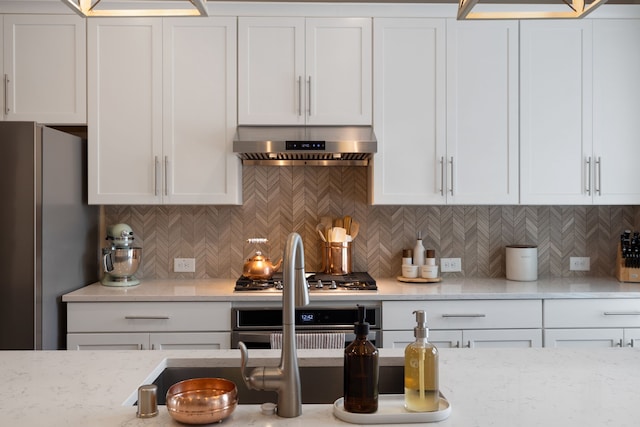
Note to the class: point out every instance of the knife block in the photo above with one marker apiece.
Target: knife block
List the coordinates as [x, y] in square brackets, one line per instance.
[625, 274]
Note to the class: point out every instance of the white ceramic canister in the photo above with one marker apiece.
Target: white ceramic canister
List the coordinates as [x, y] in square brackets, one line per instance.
[522, 262]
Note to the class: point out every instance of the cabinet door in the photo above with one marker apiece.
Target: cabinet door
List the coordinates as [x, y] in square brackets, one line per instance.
[441, 339]
[583, 338]
[482, 112]
[507, 338]
[555, 115]
[616, 109]
[409, 116]
[45, 68]
[338, 71]
[190, 341]
[199, 166]
[125, 110]
[632, 337]
[126, 341]
[271, 79]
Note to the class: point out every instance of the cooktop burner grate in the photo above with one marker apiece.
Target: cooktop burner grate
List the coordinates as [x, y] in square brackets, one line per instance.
[316, 282]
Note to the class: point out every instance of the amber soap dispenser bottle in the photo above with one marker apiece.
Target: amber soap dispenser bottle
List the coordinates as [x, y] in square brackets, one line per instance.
[421, 392]
[361, 370]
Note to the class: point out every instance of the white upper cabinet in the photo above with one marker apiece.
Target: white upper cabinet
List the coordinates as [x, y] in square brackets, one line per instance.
[162, 111]
[556, 160]
[200, 112]
[409, 114]
[616, 111]
[124, 110]
[482, 112]
[446, 112]
[44, 70]
[295, 71]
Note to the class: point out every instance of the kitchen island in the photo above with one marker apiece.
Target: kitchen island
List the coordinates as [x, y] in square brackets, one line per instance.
[486, 387]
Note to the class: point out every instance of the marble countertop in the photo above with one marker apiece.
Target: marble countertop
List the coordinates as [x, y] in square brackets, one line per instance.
[486, 387]
[388, 289]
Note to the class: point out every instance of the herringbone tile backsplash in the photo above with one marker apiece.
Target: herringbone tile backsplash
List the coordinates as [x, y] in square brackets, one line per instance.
[278, 200]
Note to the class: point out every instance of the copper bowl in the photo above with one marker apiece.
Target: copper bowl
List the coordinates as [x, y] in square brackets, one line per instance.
[202, 400]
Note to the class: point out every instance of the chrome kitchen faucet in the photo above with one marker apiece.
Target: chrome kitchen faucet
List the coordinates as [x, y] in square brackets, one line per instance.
[284, 379]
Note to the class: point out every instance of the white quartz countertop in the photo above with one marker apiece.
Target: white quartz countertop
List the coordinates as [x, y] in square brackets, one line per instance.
[388, 289]
[486, 387]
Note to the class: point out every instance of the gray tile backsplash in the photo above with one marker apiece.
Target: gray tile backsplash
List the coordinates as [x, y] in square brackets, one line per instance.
[278, 200]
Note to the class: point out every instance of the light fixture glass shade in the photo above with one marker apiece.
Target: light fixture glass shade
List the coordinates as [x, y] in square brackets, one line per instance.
[576, 9]
[90, 8]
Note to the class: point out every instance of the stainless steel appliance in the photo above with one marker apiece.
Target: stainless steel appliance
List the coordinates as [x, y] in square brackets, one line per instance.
[49, 242]
[317, 282]
[305, 145]
[254, 326]
[120, 260]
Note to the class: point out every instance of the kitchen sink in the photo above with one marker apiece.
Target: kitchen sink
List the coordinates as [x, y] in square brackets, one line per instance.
[320, 384]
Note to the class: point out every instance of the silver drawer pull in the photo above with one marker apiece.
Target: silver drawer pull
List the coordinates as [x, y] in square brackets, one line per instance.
[147, 317]
[465, 315]
[622, 313]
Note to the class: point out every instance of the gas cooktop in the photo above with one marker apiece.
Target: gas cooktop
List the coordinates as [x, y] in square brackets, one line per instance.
[358, 281]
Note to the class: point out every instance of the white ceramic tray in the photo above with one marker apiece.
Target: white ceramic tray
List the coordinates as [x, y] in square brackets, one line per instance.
[391, 410]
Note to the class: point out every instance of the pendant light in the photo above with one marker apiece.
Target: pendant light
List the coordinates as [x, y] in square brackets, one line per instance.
[577, 9]
[89, 8]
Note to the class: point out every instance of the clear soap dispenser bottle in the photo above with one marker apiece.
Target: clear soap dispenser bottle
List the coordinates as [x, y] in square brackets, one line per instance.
[361, 370]
[421, 392]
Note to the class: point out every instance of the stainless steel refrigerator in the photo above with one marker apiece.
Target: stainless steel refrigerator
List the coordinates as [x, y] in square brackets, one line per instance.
[48, 233]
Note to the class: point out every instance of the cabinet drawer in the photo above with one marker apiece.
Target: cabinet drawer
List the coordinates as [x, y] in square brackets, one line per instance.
[485, 314]
[148, 316]
[585, 313]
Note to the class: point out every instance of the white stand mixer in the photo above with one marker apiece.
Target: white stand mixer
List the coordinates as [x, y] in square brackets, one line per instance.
[120, 260]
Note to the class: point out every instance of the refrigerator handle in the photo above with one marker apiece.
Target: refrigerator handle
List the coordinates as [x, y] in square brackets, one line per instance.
[6, 94]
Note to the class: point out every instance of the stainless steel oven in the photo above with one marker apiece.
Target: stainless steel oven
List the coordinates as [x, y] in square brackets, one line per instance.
[254, 326]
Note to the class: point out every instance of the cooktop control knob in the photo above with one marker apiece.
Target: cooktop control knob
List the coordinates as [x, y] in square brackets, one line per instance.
[319, 284]
[333, 285]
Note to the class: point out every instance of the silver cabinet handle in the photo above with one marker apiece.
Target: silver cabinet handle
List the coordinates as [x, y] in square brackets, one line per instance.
[622, 313]
[134, 317]
[599, 175]
[588, 180]
[155, 175]
[299, 96]
[451, 175]
[457, 345]
[468, 344]
[442, 176]
[630, 343]
[619, 343]
[309, 100]
[166, 173]
[464, 315]
[6, 94]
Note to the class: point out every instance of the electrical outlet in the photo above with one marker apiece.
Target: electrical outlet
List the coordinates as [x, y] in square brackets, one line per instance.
[184, 265]
[579, 263]
[450, 265]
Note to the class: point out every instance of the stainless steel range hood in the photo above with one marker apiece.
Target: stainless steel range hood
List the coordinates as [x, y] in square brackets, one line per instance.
[305, 145]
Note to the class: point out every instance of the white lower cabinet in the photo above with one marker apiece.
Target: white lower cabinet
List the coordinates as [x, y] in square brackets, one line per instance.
[592, 323]
[148, 325]
[489, 338]
[488, 323]
[154, 341]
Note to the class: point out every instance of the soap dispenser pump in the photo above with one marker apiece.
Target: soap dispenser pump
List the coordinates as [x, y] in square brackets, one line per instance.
[361, 370]
[421, 392]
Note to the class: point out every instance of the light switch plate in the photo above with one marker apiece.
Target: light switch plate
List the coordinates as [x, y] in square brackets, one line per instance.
[184, 265]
